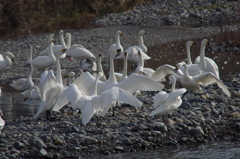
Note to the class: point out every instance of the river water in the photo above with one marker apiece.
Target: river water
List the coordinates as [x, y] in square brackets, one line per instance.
[215, 150]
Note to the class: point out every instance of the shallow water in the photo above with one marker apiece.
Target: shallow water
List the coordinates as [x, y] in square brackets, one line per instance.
[216, 150]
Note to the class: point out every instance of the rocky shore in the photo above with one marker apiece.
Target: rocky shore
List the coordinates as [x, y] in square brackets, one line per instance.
[201, 118]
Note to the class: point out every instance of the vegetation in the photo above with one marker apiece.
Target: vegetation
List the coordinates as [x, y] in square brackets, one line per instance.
[23, 17]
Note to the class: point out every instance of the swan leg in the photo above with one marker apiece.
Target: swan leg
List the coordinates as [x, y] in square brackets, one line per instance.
[49, 117]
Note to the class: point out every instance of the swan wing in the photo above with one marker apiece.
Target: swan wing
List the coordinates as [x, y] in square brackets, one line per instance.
[73, 94]
[164, 70]
[159, 98]
[137, 82]
[85, 83]
[115, 94]
[209, 78]
[161, 110]
[62, 100]
[173, 95]
[87, 112]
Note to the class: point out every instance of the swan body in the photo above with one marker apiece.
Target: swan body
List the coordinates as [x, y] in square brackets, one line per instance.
[91, 104]
[32, 93]
[167, 102]
[56, 48]
[133, 50]
[23, 84]
[77, 51]
[43, 62]
[196, 69]
[192, 83]
[117, 45]
[6, 61]
[2, 122]
[211, 65]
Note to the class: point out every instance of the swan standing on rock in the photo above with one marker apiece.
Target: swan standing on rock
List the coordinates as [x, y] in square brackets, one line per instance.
[196, 69]
[51, 89]
[192, 83]
[2, 122]
[6, 61]
[133, 50]
[91, 104]
[166, 103]
[43, 62]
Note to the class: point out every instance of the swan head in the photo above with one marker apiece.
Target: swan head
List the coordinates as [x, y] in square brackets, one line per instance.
[142, 32]
[51, 36]
[180, 64]
[68, 35]
[10, 55]
[70, 74]
[116, 52]
[190, 43]
[204, 42]
[119, 33]
[172, 79]
[61, 32]
[50, 40]
[63, 50]
[139, 53]
[100, 74]
[125, 54]
[99, 55]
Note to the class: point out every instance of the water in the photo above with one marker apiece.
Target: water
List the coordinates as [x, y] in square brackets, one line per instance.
[216, 150]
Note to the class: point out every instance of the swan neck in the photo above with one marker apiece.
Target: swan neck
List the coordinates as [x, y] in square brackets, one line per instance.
[141, 62]
[59, 74]
[30, 55]
[202, 57]
[69, 41]
[124, 75]
[99, 64]
[112, 77]
[50, 52]
[140, 41]
[186, 71]
[29, 77]
[95, 86]
[63, 44]
[189, 60]
[117, 39]
[174, 84]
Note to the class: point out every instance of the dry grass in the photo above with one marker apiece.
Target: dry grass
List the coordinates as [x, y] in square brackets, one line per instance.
[24, 17]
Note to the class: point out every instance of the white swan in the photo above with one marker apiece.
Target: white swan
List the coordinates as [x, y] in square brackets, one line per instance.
[133, 50]
[32, 93]
[56, 48]
[43, 62]
[2, 122]
[117, 45]
[196, 69]
[211, 65]
[77, 51]
[166, 103]
[51, 90]
[140, 67]
[88, 65]
[23, 84]
[6, 61]
[91, 104]
[192, 83]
